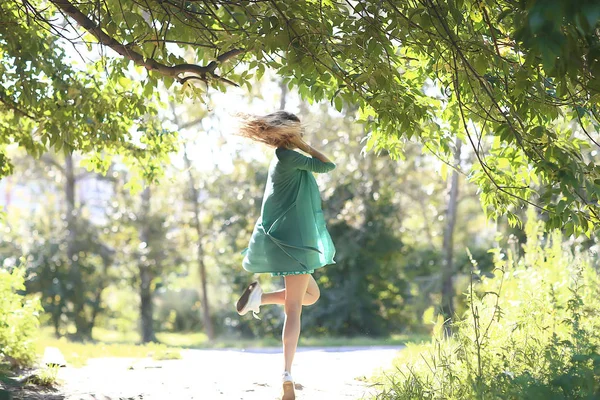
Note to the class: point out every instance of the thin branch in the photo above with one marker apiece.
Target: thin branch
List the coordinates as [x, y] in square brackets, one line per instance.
[46, 158]
[484, 168]
[189, 124]
[16, 108]
[158, 41]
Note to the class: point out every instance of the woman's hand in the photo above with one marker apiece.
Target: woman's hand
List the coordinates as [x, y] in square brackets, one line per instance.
[302, 145]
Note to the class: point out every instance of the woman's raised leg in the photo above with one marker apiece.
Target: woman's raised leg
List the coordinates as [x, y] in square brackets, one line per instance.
[278, 297]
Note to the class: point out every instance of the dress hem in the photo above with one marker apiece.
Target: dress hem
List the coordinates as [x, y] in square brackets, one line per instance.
[283, 273]
[310, 271]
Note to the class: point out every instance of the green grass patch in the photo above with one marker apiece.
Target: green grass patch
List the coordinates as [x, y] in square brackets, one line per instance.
[162, 352]
[77, 353]
[198, 340]
[46, 377]
[363, 341]
[531, 332]
[115, 344]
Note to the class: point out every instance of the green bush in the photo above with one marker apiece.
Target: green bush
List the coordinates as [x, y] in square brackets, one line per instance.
[18, 320]
[530, 332]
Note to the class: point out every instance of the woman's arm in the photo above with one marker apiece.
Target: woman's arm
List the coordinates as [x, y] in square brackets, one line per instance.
[305, 147]
[316, 163]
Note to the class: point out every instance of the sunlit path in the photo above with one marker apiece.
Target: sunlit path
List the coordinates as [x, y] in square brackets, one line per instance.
[320, 373]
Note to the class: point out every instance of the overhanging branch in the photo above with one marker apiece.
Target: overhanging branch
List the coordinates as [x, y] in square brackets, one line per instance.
[204, 73]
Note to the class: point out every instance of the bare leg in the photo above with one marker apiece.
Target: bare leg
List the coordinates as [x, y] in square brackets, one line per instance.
[295, 289]
[278, 297]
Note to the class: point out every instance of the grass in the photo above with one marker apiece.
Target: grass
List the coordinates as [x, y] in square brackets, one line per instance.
[44, 377]
[200, 341]
[24, 380]
[115, 344]
[531, 331]
[77, 353]
[393, 340]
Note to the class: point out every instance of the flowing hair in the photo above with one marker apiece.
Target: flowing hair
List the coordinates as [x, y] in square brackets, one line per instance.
[276, 129]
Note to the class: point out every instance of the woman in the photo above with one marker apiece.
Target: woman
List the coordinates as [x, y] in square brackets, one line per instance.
[290, 238]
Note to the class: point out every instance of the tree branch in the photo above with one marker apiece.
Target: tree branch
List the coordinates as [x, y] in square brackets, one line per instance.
[500, 188]
[46, 158]
[201, 72]
[16, 109]
[189, 124]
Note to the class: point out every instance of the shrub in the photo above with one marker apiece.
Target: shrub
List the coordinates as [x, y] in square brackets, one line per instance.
[530, 332]
[18, 320]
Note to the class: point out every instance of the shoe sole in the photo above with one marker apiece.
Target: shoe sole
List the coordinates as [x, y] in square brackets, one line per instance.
[243, 301]
[288, 391]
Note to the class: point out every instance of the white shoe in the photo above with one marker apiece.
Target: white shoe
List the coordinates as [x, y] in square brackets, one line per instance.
[250, 300]
[287, 377]
[288, 392]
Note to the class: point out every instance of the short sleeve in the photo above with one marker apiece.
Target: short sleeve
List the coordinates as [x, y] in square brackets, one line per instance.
[293, 159]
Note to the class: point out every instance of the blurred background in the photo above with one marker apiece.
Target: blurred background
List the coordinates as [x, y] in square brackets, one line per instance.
[114, 260]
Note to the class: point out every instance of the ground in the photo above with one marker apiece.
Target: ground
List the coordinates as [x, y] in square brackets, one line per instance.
[320, 373]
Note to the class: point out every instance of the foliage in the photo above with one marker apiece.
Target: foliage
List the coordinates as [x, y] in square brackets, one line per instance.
[47, 101]
[48, 273]
[44, 377]
[41, 236]
[18, 319]
[147, 253]
[178, 310]
[530, 332]
[363, 293]
[518, 81]
[386, 219]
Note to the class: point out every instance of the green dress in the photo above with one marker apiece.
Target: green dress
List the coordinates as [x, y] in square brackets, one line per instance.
[290, 237]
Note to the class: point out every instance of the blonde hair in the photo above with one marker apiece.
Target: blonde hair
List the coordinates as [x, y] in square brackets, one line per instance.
[276, 129]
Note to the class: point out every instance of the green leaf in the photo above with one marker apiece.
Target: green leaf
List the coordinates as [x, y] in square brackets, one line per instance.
[338, 103]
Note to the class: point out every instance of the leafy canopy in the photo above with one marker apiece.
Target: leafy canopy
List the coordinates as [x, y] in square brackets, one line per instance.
[518, 81]
[47, 102]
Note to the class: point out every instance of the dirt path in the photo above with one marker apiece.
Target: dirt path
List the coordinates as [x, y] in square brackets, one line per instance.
[228, 374]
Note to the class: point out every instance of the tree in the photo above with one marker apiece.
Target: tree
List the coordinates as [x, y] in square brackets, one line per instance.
[146, 276]
[154, 254]
[193, 197]
[448, 242]
[387, 220]
[82, 243]
[67, 262]
[521, 79]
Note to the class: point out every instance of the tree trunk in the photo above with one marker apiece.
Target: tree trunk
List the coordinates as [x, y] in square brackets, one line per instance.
[448, 241]
[77, 292]
[146, 307]
[95, 308]
[194, 200]
[98, 296]
[56, 313]
[284, 91]
[193, 195]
